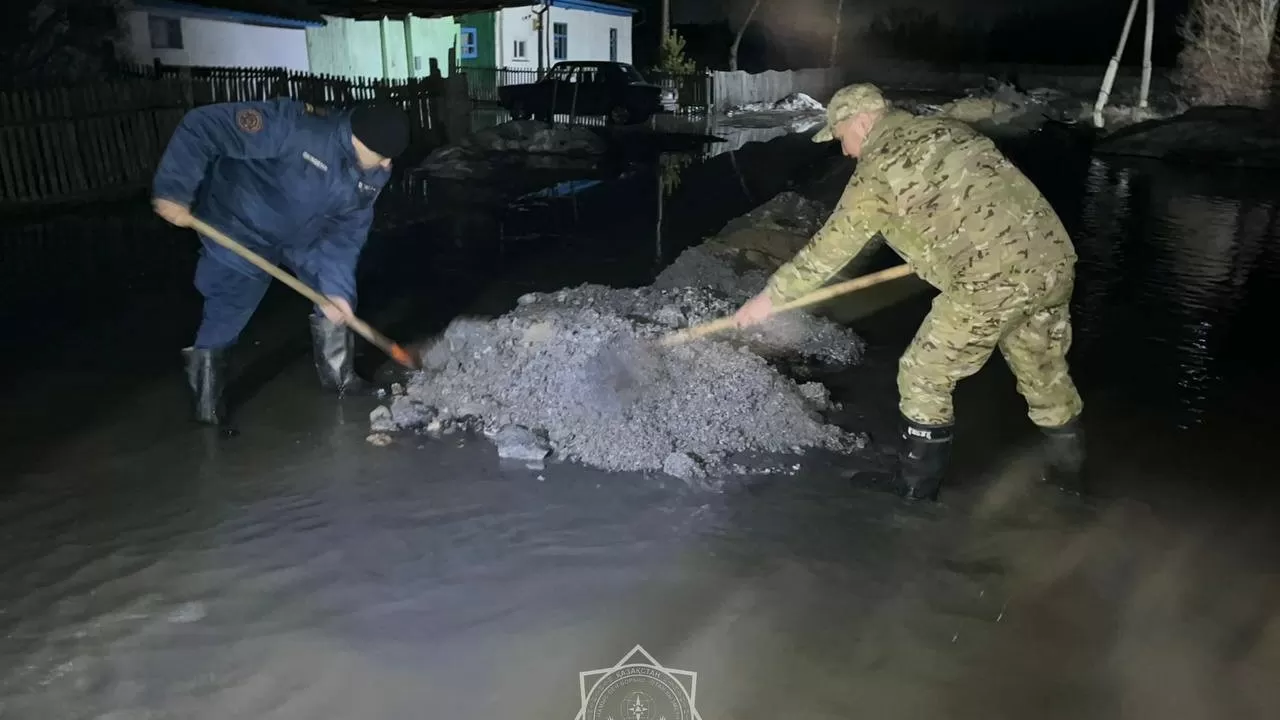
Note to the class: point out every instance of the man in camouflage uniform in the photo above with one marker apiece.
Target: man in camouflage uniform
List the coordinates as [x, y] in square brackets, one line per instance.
[968, 222]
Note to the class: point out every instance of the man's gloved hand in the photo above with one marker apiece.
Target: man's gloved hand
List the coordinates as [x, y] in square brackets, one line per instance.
[338, 310]
[756, 310]
[173, 212]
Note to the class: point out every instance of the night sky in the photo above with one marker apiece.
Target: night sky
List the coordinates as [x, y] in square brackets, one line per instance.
[801, 12]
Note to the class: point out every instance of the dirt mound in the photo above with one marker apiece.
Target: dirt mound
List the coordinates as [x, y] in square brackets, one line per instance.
[578, 374]
[793, 103]
[1235, 136]
[479, 154]
[738, 260]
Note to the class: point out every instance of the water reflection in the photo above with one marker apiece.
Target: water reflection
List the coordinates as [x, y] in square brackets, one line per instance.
[1166, 260]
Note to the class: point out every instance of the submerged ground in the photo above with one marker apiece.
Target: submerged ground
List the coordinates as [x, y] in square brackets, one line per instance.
[152, 571]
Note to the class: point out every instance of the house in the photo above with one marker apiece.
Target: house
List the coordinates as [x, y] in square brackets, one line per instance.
[288, 34]
[219, 34]
[383, 48]
[508, 38]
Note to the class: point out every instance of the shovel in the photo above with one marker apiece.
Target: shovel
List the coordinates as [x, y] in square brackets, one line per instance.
[632, 365]
[379, 340]
[817, 296]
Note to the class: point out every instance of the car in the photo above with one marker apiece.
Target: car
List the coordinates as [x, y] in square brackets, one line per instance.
[574, 87]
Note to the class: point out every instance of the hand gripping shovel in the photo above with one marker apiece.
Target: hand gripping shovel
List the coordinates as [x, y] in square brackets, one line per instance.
[382, 342]
[817, 296]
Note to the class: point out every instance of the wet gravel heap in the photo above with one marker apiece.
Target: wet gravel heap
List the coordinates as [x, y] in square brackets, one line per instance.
[577, 374]
[724, 261]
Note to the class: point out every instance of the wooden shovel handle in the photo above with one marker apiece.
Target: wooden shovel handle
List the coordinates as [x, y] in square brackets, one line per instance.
[817, 296]
[379, 340]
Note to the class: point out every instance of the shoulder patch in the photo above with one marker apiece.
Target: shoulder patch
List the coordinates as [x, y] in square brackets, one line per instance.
[249, 120]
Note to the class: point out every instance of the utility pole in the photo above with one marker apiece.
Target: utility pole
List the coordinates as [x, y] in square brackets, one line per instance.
[1146, 55]
[538, 23]
[1110, 78]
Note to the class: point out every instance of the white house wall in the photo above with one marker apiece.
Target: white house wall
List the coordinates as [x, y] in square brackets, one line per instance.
[215, 43]
[588, 36]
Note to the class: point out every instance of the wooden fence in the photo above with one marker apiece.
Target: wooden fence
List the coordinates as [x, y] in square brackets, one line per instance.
[102, 142]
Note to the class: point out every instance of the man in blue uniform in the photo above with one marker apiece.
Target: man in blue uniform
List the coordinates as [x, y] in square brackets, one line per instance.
[294, 184]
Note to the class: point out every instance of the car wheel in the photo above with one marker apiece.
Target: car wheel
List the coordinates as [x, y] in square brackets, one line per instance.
[519, 111]
[620, 115]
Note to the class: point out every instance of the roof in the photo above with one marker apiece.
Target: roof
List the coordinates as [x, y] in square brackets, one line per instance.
[310, 13]
[272, 13]
[398, 9]
[601, 6]
[395, 9]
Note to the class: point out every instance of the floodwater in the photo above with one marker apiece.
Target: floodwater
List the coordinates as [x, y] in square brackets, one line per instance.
[150, 570]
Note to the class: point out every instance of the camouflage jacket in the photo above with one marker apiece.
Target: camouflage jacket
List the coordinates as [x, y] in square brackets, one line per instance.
[946, 200]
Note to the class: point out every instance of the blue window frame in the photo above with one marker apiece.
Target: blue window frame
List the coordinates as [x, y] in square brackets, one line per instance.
[560, 41]
[613, 44]
[470, 48]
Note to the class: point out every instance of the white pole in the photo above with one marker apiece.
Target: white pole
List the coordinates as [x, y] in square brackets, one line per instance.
[1146, 55]
[1110, 78]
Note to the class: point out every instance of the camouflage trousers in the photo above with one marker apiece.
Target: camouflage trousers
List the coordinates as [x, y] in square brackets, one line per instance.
[1029, 321]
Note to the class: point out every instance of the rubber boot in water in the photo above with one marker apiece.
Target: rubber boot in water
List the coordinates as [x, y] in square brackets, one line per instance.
[333, 349]
[206, 378]
[1064, 456]
[923, 459]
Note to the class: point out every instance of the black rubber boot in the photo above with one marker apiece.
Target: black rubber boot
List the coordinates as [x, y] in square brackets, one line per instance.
[923, 459]
[206, 377]
[333, 349]
[1064, 457]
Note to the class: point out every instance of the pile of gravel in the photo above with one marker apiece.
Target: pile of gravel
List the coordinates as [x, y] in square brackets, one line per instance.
[578, 374]
[716, 268]
[720, 264]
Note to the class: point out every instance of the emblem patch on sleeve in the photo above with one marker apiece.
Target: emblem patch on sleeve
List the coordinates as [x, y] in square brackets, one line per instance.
[249, 120]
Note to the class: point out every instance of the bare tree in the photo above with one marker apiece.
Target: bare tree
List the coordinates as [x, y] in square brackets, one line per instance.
[737, 38]
[835, 35]
[1226, 52]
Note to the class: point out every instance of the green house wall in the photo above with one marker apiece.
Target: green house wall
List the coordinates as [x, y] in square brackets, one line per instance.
[430, 39]
[485, 24]
[381, 48]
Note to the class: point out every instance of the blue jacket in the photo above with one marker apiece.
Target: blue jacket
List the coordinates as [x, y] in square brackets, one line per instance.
[280, 178]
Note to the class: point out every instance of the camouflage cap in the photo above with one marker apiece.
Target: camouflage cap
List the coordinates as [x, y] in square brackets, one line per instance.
[848, 101]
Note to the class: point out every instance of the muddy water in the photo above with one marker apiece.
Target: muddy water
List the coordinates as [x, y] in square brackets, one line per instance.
[152, 572]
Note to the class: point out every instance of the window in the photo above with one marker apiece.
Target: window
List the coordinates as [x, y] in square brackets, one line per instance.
[613, 44]
[470, 49]
[166, 32]
[560, 41]
[518, 51]
[417, 63]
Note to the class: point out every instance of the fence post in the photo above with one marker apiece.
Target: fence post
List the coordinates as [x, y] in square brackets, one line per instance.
[710, 91]
[188, 90]
[457, 101]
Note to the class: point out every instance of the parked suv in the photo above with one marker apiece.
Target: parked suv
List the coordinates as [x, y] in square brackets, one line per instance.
[615, 90]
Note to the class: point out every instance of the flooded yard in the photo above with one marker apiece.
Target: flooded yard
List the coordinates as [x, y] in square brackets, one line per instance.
[151, 570]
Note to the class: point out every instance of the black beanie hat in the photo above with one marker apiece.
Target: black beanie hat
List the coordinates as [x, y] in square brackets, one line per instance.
[382, 127]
